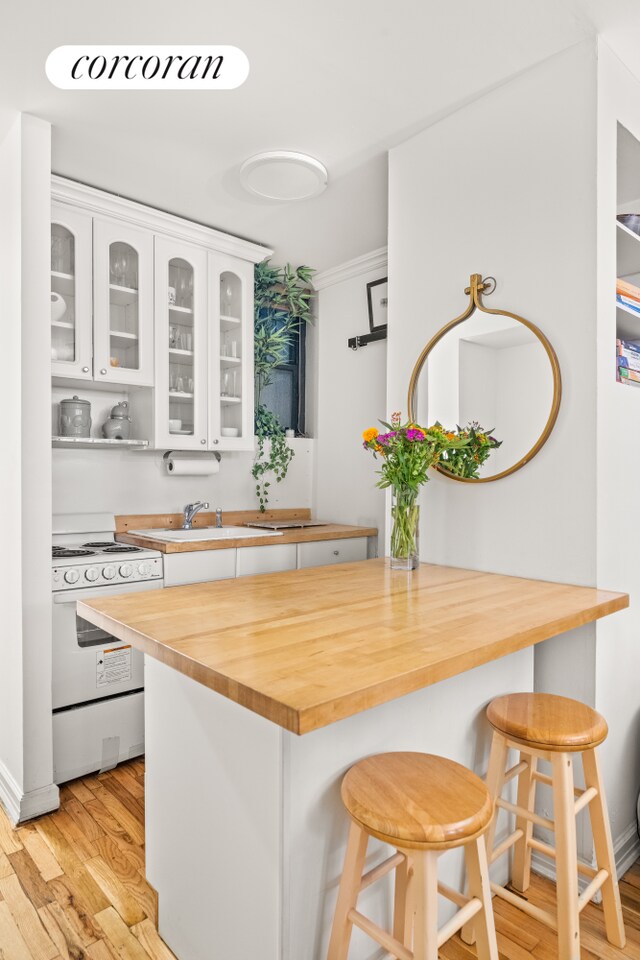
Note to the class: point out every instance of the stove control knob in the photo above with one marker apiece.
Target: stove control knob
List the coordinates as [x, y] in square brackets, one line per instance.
[144, 569]
[71, 576]
[126, 570]
[108, 572]
[92, 574]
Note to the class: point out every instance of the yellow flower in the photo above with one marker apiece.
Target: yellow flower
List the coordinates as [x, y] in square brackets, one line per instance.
[379, 448]
[370, 434]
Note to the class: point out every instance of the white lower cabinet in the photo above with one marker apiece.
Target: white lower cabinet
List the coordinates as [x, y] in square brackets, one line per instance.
[198, 566]
[321, 553]
[267, 559]
[202, 565]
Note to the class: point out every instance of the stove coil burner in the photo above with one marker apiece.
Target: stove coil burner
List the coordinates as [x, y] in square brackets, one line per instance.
[99, 543]
[122, 549]
[63, 552]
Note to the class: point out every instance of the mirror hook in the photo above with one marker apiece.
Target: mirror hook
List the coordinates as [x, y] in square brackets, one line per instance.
[478, 286]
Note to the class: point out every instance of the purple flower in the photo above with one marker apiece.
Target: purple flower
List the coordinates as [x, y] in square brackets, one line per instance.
[415, 435]
[384, 438]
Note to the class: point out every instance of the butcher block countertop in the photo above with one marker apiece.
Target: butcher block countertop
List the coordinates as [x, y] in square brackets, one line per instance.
[308, 647]
[235, 518]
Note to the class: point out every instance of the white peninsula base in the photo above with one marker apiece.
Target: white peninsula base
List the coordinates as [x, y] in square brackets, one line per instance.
[245, 827]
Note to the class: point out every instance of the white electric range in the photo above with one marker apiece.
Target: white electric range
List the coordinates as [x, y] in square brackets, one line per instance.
[97, 681]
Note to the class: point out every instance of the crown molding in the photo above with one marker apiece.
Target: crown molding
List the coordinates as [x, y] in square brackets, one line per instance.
[367, 263]
[103, 204]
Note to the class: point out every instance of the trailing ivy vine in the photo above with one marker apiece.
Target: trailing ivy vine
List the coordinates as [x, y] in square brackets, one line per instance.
[282, 304]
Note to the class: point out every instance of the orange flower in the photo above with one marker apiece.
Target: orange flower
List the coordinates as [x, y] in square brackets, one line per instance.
[451, 436]
[370, 434]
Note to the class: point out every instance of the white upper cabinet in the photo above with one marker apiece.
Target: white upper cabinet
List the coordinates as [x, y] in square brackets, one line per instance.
[71, 309]
[231, 398]
[160, 305]
[123, 318]
[181, 387]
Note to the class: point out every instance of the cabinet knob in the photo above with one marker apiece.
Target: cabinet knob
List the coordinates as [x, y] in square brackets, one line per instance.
[204, 441]
[336, 553]
[215, 441]
[103, 372]
[85, 369]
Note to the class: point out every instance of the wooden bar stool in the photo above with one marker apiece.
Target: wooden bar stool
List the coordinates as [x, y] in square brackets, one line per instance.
[546, 727]
[422, 805]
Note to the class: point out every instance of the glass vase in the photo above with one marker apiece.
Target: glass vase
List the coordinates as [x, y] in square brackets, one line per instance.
[405, 522]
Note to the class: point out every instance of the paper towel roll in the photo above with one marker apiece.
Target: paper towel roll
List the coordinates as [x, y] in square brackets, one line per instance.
[191, 466]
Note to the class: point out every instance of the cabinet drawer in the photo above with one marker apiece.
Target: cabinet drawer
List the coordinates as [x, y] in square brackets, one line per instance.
[199, 566]
[267, 559]
[322, 552]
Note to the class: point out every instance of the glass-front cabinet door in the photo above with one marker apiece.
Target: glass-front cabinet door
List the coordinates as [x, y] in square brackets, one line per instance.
[123, 304]
[71, 312]
[181, 391]
[231, 349]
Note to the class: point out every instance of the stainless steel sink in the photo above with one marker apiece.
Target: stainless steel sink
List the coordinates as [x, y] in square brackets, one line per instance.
[205, 533]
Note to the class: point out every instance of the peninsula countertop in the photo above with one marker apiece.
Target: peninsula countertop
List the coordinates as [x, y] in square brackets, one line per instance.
[306, 648]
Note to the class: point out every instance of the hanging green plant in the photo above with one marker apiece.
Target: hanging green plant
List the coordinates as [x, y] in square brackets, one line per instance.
[282, 304]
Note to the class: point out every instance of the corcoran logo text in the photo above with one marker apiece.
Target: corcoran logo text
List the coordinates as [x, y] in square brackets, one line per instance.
[147, 68]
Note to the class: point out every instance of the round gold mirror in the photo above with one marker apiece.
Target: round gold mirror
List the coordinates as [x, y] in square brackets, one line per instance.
[492, 377]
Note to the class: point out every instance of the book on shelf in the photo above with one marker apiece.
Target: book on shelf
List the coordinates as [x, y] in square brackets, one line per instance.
[629, 376]
[627, 347]
[626, 289]
[627, 302]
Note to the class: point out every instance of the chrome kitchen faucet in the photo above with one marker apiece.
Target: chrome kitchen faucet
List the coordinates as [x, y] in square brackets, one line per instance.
[190, 511]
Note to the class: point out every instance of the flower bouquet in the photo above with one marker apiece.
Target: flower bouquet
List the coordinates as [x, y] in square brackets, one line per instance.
[407, 452]
[466, 461]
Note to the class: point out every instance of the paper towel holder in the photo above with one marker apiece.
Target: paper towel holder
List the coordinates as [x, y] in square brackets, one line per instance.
[169, 453]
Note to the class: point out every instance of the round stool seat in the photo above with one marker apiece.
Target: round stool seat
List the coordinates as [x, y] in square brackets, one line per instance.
[548, 721]
[416, 800]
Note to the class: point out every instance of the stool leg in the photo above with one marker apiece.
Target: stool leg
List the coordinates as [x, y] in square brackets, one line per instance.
[495, 782]
[348, 893]
[614, 924]
[521, 870]
[566, 857]
[425, 937]
[478, 886]
[403, 903]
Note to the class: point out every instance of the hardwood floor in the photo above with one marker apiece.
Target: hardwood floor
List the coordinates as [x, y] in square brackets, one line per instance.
[72, 887]
[521, 938]
[72, 884]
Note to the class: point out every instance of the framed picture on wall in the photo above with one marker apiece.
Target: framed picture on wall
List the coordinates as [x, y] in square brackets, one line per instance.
[377, 303]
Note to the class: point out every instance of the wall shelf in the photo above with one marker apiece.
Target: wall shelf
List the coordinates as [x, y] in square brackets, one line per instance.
[91, 443]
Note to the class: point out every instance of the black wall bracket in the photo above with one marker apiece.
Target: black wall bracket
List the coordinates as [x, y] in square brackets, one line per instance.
[362, 341]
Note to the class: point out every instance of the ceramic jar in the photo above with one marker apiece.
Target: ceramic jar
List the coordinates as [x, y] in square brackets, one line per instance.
[118, 426]
[75, 418]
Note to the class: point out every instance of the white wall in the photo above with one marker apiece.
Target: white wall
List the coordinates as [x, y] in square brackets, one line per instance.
[506, 187]
[26, 773]
[128, 482]
[351, 395]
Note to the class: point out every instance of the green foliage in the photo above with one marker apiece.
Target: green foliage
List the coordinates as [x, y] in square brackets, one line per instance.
[282, 304]
[466, 461]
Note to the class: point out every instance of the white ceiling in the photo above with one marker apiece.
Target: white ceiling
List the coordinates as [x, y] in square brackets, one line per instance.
[342, 81]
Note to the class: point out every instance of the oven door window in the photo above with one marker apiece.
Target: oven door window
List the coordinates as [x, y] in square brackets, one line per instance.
[88, 635]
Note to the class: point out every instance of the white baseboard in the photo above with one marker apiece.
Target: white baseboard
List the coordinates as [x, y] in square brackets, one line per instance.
[24, 806]
[626, 850]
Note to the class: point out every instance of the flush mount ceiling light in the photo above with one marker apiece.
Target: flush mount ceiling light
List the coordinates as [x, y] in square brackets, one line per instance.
[283, 175]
